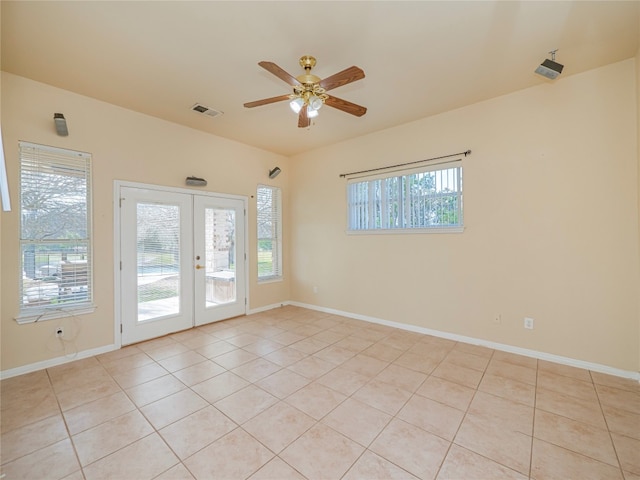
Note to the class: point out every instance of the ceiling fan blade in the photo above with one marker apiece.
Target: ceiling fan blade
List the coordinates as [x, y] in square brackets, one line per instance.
[266, 101]
[345, 106]
[348, 75]
[280, 73]
[303, 119]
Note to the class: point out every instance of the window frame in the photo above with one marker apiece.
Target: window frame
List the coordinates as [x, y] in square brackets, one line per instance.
[277, 272]
[404, 201]
[33, 160]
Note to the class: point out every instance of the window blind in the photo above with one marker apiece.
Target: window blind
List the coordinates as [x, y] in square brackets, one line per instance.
[269, 219]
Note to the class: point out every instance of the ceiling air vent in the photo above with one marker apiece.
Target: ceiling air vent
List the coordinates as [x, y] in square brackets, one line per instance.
[206, 110]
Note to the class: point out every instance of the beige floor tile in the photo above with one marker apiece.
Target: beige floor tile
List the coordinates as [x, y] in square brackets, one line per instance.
[616, 382]
[503, 412]
[220, 386]
[329, 337]
[622, 399]
[566, 385]
[200, 340]
[402, 377]
[449, 393]
[575, 436]
[140, 375]
[315, 400]
[469, 348]
[99, 411]
[256, 369]
[311, 367]
[75, 379]
[454, 373]
[343, 380]
[234, 456]
[630, 476]
[461, 463]
[549, 461]
[512, 371]
[263, 347]
[411, 448]
[506, 447]
[332, 453]
[621, 421]
[143, 460]
[335, 355]
[508, 388]
[166, 351]
[196, 431]
[174, 407]
[383, 396]
[106, 438]
[53, 462]
[564, 370]
[21, 407]
[581, 409]
[628, 450]
[212, 350]
[155, 343]
[117, 354]
[182, 360]
[74, 370]
[417, 362]
[287, 338]
[355, 344]
[432, 416]
[154, 390]
[365, 365]
[278, 426]
[245, 404]
[515, 359]
[199, 372]
[32, 437]
[372, 466]
[309, 346]
[88, 392]
[177, 472]
[285, 356]
[283, 383]
[383, 352]
[276, 469]
[468, 360]
[243, 339]
[126, 363]
[357, 421]
[234, 358]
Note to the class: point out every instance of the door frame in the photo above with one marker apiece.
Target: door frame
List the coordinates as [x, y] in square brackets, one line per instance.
[117, 248]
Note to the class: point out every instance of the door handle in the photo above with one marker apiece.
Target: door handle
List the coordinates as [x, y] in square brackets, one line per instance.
[198, 267]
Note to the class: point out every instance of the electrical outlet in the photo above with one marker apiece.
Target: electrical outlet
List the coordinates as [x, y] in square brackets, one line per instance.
[59, 332]
[528, 323]
[497, 319]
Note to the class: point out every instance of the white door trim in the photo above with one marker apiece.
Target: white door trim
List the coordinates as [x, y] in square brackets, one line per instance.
[117, 253]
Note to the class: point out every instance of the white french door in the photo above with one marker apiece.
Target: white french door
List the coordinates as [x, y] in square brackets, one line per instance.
[182, 261]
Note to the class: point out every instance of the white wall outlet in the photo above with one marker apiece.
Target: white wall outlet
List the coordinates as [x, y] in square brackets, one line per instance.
[59, 332]
[497, 320]
[528, 323]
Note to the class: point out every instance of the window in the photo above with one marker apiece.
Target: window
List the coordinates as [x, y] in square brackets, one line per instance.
[427, 199]
[55, 231]
[269, 233]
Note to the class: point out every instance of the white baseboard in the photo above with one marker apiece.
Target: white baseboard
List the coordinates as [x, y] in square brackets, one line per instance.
[33, 367]
[596, 367]
[251, 311]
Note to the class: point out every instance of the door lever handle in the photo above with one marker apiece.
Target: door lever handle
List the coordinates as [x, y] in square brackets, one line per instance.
[198, 267]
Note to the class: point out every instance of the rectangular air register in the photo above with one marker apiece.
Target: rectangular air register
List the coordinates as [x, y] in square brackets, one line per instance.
[206, 110]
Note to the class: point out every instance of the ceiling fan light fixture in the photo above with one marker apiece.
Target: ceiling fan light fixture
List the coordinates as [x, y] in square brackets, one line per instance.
[311, 113]
[296, 104]
[315, 103]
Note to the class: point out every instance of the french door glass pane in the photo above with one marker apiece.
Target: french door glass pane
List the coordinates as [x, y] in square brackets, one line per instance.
[158, 260]
[220, 256]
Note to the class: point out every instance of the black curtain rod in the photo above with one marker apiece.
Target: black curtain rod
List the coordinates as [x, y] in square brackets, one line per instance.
[468, 152]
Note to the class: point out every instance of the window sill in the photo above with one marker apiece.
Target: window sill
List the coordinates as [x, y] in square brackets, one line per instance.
[269, 280]
[50, 314]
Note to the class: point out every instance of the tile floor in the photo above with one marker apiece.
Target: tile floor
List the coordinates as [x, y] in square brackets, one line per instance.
[293, 394]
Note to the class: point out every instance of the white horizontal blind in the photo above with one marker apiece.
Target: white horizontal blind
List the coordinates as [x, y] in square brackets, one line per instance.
[429, 198]
[269, 232]
[55, 228]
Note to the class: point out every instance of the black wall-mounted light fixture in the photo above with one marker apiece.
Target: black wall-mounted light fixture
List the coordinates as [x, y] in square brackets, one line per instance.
[61, 124]
[550, 68]
[274, 173]
[196, 182]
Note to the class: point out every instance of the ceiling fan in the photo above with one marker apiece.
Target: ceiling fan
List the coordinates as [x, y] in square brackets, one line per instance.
[309, 91]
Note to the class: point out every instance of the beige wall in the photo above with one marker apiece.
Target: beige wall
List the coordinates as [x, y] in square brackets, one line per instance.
[125, 146]
[551, 217]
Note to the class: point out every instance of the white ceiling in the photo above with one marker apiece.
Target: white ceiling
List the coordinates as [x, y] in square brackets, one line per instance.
[420, 58]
